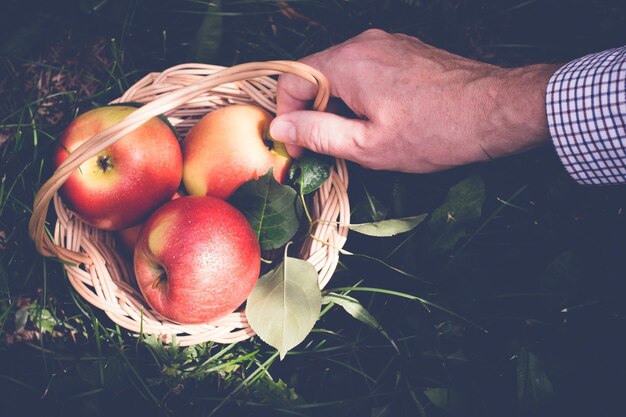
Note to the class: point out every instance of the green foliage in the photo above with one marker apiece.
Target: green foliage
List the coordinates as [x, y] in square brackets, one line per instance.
[199, 361]
[527, 254]
[389, 227]
[309, 172]
[45, 321]
[452, 401]
[285, 304]
[275, 393]
[208, 39]
[533, 384]
[272, 209]
[369, 209]
[462, 206]
[352, 306]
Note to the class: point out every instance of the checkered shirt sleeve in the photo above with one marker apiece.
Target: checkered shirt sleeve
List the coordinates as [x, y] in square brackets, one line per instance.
[586, 109]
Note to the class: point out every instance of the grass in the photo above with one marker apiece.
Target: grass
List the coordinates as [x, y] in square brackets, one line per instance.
[523, 310]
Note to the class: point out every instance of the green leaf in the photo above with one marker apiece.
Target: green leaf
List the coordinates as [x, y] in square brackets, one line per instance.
[273, 210]
[276, 393]
[383, 411]
[462, 205]
[352, 307]
[42, 318]
[369, 208]
[451, 400]
[285, 304]
[310, 171]
[533, 384]
[208, 38]
[387, 228]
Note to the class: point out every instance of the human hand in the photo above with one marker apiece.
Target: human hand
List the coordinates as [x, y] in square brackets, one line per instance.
[417, 108]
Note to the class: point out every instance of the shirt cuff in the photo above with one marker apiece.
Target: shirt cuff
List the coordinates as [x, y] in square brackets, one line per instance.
[586, 109]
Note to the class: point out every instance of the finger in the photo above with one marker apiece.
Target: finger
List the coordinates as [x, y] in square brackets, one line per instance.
[335, 106]
[320, 132]
[294, 93]
[294, 151]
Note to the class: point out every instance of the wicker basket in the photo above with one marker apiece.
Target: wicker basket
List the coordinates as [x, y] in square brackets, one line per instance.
[184, 94]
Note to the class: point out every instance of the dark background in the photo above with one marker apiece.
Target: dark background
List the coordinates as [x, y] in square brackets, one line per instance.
[533, 268]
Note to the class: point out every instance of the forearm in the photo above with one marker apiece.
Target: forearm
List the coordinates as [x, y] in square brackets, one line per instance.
[496, 112]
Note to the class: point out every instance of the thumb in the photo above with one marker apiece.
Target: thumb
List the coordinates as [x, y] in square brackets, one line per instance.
[325, 133]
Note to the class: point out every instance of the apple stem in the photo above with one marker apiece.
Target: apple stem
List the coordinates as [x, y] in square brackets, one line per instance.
[156, 283]
[159, 280]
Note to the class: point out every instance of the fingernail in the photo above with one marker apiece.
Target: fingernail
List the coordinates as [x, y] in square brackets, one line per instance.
[283, 131]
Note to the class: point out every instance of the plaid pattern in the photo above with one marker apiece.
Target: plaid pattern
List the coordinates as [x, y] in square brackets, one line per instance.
[586, 108]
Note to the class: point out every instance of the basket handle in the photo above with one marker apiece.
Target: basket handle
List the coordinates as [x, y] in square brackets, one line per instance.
[170, 101]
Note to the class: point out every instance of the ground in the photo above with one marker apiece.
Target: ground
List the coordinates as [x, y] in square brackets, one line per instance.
[523, 313]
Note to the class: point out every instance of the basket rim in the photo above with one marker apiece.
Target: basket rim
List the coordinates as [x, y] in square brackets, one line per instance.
[36, 226]
[324, 254]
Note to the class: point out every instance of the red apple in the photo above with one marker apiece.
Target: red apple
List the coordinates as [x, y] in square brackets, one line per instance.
[121, 185]
[228, 147]
[128, 237]
[196, 259]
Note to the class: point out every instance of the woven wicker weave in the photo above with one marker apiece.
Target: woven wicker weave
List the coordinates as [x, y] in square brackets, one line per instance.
[184, 94]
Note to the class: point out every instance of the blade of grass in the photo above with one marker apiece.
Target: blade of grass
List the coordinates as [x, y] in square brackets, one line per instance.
[260, 369]
[482, 226]
[517, 6]
[371, 258]
[401, 244]
[96, 329]
[19, 383]
[423, 301]
[352, 368]
[143, 387]
[85, 394]
[36, 101]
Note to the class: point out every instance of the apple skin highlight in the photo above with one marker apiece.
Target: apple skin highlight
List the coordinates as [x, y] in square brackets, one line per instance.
[228, 147]
[119, 187]
[196, 259]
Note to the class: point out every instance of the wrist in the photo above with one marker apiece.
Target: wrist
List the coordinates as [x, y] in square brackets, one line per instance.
[520, 121]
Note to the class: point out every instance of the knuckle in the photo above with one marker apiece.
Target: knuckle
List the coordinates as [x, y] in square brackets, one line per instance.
[373, 153]
[364, 147]
[406, 37]
[373, 32]
[349, 51]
